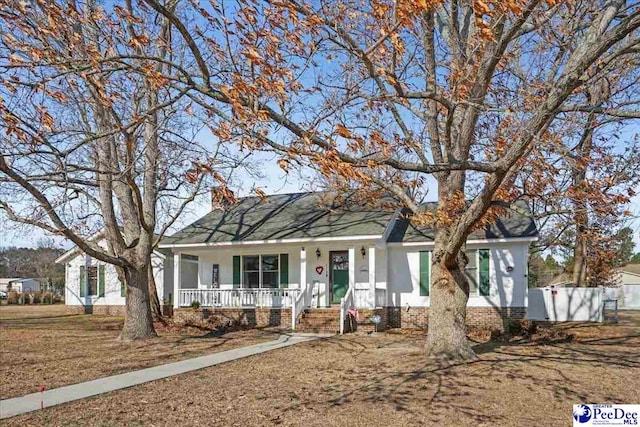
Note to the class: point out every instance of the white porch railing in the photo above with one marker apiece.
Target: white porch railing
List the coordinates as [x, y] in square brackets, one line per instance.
[300, 302]
[346, 303]
[276, 297]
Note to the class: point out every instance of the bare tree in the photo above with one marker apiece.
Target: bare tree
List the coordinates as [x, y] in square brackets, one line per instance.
[94, 138]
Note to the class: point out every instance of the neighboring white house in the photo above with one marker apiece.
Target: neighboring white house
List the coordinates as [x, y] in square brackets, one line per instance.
[19, 284]
[628, 293]
[268, 261]
[94, 284]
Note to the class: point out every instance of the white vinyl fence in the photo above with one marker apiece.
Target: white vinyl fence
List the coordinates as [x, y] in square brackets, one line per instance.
[628, 296]
[556, 304]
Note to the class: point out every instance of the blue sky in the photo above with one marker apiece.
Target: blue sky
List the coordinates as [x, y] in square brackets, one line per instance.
[273, 181]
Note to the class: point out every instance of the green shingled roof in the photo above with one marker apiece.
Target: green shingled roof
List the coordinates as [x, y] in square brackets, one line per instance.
[284, 216]
[516, 223]
[319, 215]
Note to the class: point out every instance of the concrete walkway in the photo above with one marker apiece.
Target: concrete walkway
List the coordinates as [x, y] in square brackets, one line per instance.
[57, 396]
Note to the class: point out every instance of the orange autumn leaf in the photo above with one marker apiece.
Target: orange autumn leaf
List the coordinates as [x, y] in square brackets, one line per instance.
[343, 131]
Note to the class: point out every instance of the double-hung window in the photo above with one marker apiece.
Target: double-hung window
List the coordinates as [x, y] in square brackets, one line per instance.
[261, 271]
[92, 280]
[251, 269]
[269, 266]
[477, 271]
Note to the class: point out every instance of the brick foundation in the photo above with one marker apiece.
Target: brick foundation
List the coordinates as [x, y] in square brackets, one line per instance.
[365, 324]
[392, 317]
[107, 310]
[244, 317]
[75, 309]
[477, 317]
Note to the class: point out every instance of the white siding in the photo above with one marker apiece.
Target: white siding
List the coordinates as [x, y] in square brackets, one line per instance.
[224, 258]
[112, 291]
[508, 289]
[396, 269]
[628, 293]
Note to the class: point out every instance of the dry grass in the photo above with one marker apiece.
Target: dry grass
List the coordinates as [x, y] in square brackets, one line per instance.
[41, 346]
[12, 312]
[360, 380]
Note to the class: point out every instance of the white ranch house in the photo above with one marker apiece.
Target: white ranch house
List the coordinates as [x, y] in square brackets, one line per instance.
[291, 257]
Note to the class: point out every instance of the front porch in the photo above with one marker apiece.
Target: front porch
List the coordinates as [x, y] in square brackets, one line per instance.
[267, 298]
[282, 277]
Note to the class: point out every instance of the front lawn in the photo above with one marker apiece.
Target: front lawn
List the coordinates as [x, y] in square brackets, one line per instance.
[383, 380]
[42, 346]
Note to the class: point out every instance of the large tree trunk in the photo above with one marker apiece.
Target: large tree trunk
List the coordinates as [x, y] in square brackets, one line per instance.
[156, 309]
[597, 94]
[447, 336]
[580, 256]
[138, 322]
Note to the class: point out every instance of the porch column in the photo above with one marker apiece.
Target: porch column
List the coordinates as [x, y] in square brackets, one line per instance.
[372, 277]
[176, 280]
[303, 268]
[352, 268]
[201, 282]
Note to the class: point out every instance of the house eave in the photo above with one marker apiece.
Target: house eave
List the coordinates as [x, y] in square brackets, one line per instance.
[469, 242]
[62, 259]
[270, 241]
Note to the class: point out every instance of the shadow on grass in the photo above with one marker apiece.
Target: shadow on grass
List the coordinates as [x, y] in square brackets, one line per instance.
[547, 367]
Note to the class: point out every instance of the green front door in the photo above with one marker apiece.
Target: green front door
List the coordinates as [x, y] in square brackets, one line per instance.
[339, 275]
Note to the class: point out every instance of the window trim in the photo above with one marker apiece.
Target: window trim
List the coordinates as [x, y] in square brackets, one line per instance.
[476, 293]
[260, 271]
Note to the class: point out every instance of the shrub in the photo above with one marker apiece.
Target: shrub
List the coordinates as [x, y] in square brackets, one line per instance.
[26, 298]
[12, 297]
[514, 327]
[37, 297]
[195, 304]
[520, 328]
[47, 298]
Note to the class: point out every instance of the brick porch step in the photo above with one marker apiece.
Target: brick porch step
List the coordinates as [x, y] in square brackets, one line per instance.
[319, 320]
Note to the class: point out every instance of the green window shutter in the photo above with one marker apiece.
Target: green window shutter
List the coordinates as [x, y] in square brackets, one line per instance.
[101, 283]
[123, 289]
[236, 271]
[284, 270]
[83, 281]
[424, 273]
[485, 281]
